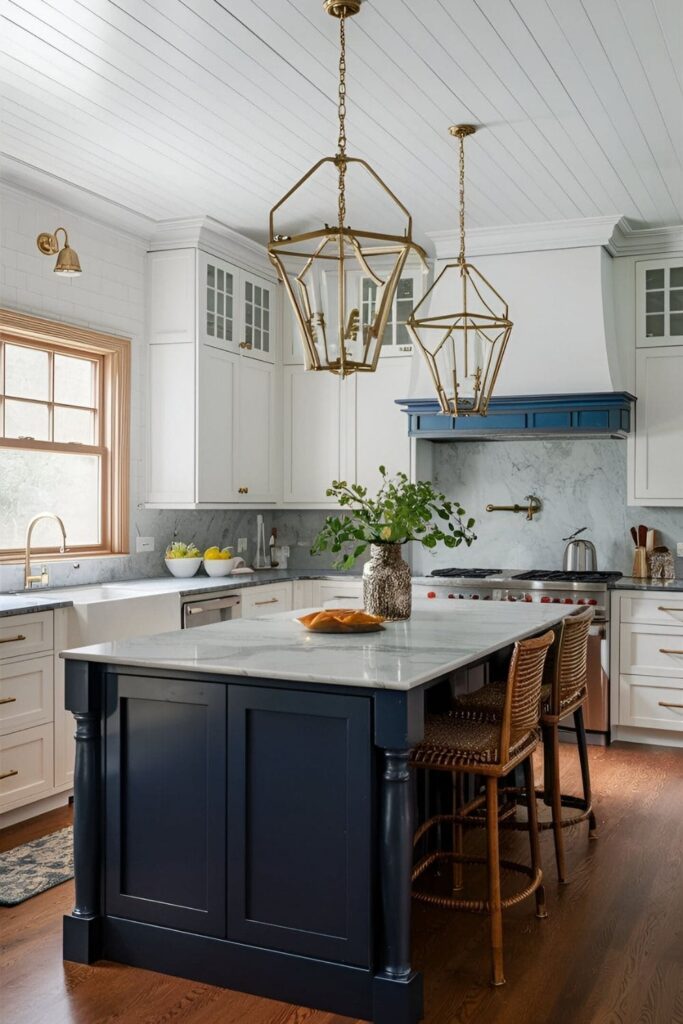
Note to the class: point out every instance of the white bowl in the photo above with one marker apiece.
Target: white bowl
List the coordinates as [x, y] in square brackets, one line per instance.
[219, 566]
[183, 568]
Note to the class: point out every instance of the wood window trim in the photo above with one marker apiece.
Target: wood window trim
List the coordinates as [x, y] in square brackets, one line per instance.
[115, 423]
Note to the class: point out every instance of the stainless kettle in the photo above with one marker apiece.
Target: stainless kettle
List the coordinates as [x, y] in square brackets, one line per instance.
[579, 555]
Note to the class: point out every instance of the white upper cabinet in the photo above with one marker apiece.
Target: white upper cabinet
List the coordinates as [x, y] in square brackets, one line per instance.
[659, 302]
[217, 289]
[381, 435]
[316, 407]
[213, 402]
[258, 308]
[657, 468]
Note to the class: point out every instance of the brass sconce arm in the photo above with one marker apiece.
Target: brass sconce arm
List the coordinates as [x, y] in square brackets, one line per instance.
[532, 508]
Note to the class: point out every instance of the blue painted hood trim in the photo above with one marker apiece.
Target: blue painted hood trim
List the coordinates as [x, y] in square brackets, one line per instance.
[534, 416]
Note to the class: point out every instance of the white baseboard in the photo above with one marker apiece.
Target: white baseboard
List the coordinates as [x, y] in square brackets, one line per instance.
[656, 737]
[32, 810]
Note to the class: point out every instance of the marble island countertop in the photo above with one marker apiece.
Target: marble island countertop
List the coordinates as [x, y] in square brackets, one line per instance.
[437, 639]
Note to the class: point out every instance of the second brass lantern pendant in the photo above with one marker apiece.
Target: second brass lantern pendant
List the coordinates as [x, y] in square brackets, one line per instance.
[340, 279]
[464, 345]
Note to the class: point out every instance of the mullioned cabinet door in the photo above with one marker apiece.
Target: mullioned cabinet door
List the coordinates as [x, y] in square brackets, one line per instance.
[299, 822]
[165, 802]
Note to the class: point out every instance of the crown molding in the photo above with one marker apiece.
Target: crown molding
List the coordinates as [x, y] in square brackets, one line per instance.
[213, 237]
[629, 241]
[510, 238]
[22, 181]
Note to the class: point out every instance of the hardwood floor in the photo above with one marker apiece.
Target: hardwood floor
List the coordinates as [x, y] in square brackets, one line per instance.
[610, 952]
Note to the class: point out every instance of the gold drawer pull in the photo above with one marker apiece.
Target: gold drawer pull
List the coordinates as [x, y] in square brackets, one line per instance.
[664, 704]
[665, 608]
[271, 600]
[669, 650]
[9, 774]
[12, 639]
[8, 700]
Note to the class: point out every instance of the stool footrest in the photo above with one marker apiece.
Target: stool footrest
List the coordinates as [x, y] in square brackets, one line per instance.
[471, 905]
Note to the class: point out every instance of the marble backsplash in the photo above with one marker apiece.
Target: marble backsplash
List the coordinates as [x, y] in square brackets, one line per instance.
[581, 483]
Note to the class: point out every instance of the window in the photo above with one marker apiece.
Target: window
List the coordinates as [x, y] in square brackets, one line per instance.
[395, 334]
[64, 436]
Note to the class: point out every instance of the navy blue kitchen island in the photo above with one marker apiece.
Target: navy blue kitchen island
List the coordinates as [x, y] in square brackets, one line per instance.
[243, 806]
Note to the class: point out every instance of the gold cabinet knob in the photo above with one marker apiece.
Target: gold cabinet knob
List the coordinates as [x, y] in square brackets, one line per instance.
[243, 490]
[245, 344]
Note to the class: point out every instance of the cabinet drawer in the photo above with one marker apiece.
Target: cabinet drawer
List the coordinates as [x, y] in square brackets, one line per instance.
[656, 610]
[652, 651]
[26, 761]
[341, 594]
[26, 693]
[266, 600]
[25, 634]
[647, 704]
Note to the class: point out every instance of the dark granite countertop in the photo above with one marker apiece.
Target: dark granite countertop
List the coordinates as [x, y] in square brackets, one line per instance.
[636, 583]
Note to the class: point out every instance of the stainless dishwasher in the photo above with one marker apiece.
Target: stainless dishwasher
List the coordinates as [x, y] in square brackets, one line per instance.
[198, 612]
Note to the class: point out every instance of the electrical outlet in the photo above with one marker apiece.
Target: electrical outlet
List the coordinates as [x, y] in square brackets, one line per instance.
[679, 549]
[241, 545]
[144, 544]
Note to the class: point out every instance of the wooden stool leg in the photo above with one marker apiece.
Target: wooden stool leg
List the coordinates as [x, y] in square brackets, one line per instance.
[585, 768]
[553, 738]
[493, 863]
[458, 801]
[534, 843]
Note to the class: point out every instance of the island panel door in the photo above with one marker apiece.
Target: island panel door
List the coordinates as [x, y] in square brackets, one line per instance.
[299, 822]
[165, 802]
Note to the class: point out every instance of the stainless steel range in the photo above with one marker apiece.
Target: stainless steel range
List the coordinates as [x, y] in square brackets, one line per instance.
[544, 586]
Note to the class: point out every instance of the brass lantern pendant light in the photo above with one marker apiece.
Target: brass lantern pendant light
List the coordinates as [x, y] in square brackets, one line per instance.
[463, 349]
[340, 280]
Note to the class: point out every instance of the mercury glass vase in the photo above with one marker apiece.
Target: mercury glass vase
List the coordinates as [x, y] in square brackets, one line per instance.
[387, 586]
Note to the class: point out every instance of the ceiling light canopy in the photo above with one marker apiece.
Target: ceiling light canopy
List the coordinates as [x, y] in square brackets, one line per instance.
[67, 262]
[464, 344]
[323, 265]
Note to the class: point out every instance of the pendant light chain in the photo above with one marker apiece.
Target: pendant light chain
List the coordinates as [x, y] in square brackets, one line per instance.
[341, 142]
[462, 199]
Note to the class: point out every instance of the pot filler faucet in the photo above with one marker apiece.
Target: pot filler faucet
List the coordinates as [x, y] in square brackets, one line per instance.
[43, 578]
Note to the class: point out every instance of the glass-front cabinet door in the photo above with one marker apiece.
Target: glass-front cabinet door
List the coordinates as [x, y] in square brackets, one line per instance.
[258, 321]
[218, 307]
[659, 302]
[396, 340]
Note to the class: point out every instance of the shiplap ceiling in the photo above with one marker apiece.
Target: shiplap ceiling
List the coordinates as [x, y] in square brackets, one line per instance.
[183, 108]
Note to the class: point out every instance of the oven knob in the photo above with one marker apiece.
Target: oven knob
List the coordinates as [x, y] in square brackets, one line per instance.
[545, 600]
[461, 597]
[569, 600]
[511, 598]
[475, 597]
[431, 593]
[592, 601]
[452, 596]
[528, 597]
[487, 597]
[556, 600]
[581, 600]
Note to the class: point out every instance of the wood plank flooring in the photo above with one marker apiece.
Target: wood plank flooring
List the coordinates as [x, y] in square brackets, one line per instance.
[611, 951]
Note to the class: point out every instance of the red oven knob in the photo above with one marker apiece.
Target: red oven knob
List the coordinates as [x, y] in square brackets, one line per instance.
[475, 597]
[592, 601]
[545, 600]
[451, 596]
[569, 600]
[556, 600]
[431, 593]
[528, 597]
[582, 600]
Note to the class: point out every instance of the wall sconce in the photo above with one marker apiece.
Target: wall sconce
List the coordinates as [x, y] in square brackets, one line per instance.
[67, 261]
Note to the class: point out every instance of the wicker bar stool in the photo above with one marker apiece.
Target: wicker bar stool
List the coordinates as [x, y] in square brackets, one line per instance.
[490, 749]
[563, 693]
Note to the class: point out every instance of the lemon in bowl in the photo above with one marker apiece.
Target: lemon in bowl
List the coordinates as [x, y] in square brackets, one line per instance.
[217, 561]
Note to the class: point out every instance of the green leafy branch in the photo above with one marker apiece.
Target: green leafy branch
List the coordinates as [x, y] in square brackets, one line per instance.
[400, 512]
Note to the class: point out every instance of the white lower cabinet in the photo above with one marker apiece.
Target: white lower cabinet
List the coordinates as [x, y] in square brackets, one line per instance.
[26, 765]
[647, 656]
[266, 600]
[657, 466]
[26, 693]
[341, 593]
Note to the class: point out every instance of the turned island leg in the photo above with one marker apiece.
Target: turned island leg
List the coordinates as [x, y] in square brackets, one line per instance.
[82, 927]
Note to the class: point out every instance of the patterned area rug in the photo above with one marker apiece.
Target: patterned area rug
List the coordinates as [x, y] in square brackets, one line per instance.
[36, 866]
